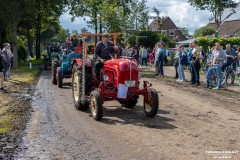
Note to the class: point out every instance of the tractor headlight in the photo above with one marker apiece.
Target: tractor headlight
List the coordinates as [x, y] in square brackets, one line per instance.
[105, 78]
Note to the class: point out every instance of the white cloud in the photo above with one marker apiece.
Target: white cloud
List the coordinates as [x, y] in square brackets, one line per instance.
[182, 14]
[77, 24]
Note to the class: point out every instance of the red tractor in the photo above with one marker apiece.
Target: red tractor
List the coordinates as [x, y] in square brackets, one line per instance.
[119, 81]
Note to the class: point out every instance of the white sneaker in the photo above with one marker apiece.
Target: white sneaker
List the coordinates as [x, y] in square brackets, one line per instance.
[178, 80]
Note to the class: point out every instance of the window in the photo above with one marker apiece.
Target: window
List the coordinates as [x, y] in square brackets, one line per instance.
[171, 32]
[164, 31]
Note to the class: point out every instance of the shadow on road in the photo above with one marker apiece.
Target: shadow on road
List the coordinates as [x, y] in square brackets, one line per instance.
[136, 116]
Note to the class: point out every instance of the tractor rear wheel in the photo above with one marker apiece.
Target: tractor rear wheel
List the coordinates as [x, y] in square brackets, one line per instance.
[96, 105]
[131, 103]
[59, 77]
[54, 72]
[151, 103]
[77, 87]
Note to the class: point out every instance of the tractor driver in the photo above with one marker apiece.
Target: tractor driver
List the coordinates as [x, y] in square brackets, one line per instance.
[67, 45]
[104, 51]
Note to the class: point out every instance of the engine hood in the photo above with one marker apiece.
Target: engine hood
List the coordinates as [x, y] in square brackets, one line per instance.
[121, 70]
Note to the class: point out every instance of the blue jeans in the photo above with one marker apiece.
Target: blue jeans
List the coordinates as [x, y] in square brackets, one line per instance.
[194, 69]
[160, 62]
[181, 74]
[218, 71]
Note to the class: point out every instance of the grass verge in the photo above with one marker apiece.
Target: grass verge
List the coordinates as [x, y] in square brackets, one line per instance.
[12, 108]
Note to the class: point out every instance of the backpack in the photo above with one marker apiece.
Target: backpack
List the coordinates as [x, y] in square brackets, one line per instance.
[184, 60]
[1, 63]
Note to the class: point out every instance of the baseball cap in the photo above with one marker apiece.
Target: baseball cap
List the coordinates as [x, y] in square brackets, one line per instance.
[106, 35]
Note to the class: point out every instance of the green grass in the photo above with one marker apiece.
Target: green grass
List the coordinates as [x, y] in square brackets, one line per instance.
[24, 74]
[6, 123]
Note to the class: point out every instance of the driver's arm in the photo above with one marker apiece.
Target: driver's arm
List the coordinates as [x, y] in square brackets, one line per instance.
[97, 52]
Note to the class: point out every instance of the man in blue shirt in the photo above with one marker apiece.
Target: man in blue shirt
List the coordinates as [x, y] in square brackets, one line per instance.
[231, 56]
[161, 53]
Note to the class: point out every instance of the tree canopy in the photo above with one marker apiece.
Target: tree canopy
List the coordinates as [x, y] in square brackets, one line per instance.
[204, 31]
[216, 7]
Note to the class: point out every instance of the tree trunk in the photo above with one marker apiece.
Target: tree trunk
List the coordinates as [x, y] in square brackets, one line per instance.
[14, 46]
[38, 29]
[100, 26]
[95, 16]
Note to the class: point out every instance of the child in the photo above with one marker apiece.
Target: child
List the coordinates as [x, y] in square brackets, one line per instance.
[151, 59]
[209, 75]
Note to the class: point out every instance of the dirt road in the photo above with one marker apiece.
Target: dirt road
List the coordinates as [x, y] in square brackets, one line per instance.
[191, 124]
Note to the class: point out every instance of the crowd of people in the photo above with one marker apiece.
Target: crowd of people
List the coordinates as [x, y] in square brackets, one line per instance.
[190, 58]
[6, 61]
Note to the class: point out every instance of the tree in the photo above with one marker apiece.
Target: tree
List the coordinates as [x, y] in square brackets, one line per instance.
[61, 35]
[204, 31]
[216, 7]
[84, 30]
[97, 10]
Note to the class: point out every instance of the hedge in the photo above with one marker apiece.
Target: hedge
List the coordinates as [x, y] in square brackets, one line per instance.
[205, 42]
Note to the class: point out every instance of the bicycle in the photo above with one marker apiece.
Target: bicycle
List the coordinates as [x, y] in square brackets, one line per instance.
[215, 79]
[230, 74]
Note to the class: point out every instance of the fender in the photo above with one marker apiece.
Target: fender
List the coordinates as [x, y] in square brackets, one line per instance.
[79, 62]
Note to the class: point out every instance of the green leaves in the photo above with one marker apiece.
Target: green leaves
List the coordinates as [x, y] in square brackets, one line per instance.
[204, 31]
[216, 7]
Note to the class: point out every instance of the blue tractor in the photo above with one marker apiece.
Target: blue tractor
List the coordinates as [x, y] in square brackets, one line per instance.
[62, 67]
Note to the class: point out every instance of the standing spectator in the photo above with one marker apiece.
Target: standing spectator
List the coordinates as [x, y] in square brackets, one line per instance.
[1, 73]
[195, 64]
[176, 64]
[129, 51]
[231, 55]
[136, 51]
[189, 54]
[182, 62]
[151, 59]
[140, 54]
[218, 56]
[144, 55]
[209, 75]
[161, 53]
[156, 60]
[6, 60]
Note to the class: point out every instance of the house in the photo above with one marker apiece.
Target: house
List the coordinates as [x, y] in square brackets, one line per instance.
[231, 23]
[167, 26]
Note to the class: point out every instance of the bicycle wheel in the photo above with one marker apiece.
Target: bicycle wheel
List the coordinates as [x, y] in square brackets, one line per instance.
[230, 78]
[223, 79]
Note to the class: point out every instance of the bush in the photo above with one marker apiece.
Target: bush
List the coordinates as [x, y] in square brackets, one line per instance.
[204, 31]
[21, 50]
[147, 38]
[205, 42]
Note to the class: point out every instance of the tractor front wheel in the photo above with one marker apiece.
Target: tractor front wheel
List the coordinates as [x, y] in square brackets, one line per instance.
[96, 105]
[77, 88]
[151, 103]
[59, 77]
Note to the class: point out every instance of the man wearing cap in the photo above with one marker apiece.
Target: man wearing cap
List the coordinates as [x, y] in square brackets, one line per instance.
[67, 45]
[103, 51]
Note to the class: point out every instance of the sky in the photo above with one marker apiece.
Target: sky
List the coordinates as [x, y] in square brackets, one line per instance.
[182, 14]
